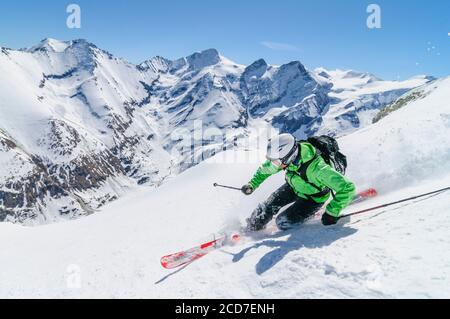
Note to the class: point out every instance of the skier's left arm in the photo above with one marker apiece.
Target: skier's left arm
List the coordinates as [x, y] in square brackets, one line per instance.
[344, 190]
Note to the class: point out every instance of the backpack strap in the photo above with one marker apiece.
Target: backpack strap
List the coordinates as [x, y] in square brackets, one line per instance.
[302, 173]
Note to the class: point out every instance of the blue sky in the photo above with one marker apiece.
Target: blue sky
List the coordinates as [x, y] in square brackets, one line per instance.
[414, 38]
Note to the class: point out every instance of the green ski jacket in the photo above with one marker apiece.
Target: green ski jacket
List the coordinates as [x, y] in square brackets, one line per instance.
[318, 173]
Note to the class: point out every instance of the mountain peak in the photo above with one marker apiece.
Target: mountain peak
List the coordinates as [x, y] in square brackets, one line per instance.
[203, 59]
[356, 74]
[156, 64]
[321, 71]
[259, 63]
[82, 42]
[49, 44]
[85, 45]
[294, 65]
[57, 46]
[424, 77]
[256, 69]
[196, 61]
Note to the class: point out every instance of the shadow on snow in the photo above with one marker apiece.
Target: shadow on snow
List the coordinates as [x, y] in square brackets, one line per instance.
[306, 236]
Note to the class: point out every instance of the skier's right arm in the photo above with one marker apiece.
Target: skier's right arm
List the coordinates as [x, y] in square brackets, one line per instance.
[263, 173]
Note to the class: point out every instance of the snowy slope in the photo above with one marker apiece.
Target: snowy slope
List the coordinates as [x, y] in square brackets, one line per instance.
[400, 251]
[410, 144]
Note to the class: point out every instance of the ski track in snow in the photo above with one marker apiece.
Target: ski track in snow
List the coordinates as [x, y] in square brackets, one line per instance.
[398, 253]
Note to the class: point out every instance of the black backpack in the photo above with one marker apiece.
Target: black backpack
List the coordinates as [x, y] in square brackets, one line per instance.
[328, 148]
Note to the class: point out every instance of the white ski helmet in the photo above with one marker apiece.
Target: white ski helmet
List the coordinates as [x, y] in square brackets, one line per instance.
[283, 148]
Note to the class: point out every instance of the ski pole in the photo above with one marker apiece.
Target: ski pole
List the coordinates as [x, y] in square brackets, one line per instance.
[397, 202]
[229, 187]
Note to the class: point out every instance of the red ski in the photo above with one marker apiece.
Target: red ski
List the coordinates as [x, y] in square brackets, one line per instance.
[364, 195]
[188, 256]
[185, 257]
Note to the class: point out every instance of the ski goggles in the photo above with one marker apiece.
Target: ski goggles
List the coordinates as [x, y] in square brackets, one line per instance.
[286, 160]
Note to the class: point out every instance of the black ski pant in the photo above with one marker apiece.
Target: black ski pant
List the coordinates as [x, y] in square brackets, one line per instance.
[297, 213]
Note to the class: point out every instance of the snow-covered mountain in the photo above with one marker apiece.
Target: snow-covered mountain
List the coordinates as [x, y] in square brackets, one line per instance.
[357, 97]
[395, 252]
[78, 126]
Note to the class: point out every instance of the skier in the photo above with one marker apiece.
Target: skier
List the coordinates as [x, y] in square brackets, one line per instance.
[310, 182]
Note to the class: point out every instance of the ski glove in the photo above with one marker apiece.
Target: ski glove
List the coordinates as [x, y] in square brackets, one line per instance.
[247, 190]
[328, 220]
